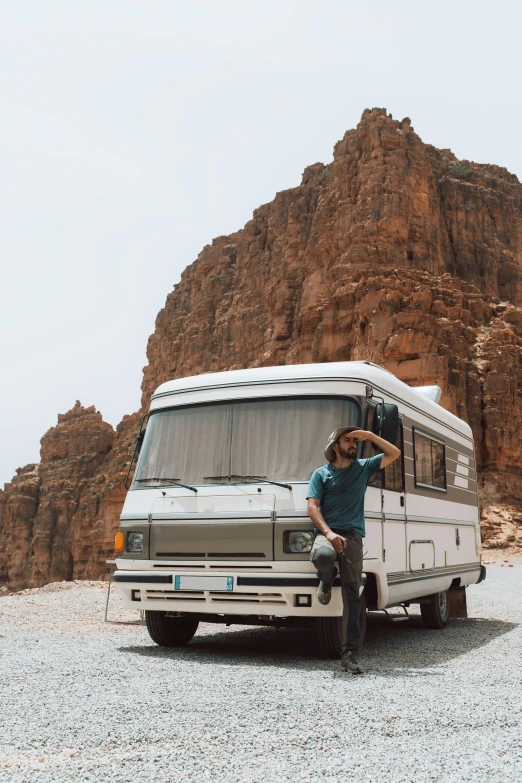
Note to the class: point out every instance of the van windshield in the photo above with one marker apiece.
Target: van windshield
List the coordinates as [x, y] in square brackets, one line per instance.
[280, 439]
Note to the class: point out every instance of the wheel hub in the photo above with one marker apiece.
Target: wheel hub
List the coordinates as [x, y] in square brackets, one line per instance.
[443, 603]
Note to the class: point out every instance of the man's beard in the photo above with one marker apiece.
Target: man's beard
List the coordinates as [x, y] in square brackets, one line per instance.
[349, 453]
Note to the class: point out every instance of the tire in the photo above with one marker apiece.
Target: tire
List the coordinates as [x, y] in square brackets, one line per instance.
[170, 631]
[329, 632]
[435, 614]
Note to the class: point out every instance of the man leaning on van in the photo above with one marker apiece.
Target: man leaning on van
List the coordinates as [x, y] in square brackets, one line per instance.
[336, 507]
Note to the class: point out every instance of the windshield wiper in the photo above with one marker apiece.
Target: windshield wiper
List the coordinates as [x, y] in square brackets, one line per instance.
[254, 478]
[170, 480]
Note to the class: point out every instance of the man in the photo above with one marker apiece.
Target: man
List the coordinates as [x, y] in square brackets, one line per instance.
[336, 507]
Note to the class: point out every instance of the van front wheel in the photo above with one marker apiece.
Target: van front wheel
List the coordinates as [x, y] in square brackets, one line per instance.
[329, 632]
[169, 631]
[435, 610]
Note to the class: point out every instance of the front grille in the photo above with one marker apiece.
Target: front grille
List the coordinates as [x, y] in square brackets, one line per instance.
[193, 567]
[247, 598]
[212, 555]
[215, 597]
[172, 595]
[229, 555]
[177, 567]
[240, 567]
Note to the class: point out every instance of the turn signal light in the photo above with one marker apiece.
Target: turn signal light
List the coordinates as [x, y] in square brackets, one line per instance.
[119, 541]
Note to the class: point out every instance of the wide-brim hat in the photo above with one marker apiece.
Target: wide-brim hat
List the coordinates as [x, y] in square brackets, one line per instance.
[329, 452]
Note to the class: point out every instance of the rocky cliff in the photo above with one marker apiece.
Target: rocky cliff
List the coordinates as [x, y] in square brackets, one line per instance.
[395, 252]
[38, 540]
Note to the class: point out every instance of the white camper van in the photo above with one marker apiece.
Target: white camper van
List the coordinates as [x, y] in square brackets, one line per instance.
[214, 526]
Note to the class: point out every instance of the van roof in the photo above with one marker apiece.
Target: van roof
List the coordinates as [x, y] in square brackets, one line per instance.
[367, 372]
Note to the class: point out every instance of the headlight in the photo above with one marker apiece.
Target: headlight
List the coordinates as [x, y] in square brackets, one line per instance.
[297, 541]
[134, 542]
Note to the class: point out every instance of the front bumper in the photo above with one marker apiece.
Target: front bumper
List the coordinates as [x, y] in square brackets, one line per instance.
[258, 594]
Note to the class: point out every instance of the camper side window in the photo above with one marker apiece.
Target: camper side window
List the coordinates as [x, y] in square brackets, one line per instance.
[430, 461]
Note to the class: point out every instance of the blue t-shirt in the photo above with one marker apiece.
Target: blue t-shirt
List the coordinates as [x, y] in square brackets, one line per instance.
[341, 492]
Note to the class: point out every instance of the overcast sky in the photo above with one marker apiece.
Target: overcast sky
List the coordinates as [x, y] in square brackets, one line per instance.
[132, 133]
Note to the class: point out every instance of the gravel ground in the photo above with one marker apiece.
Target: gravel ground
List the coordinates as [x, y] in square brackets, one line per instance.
[85, 701]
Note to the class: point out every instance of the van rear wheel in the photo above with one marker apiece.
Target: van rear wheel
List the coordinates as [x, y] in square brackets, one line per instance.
[169, 631]
[329, 631]
[435, 612]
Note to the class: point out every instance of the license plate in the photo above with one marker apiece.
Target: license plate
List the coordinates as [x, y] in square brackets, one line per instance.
[223, 584]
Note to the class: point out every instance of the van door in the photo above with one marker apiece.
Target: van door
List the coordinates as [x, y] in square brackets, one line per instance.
[393, 504]
[428, 540]
[394, 532]
[394, 512]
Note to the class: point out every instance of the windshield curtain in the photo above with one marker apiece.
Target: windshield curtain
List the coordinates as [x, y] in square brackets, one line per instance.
[281, 439]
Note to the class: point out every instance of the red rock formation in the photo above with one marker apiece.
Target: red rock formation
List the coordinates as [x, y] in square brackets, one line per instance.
[501, 527]
[98, 512]
[37, 508]
[395, 252]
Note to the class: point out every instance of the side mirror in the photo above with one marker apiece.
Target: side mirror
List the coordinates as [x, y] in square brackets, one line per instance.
[135, 453]
[385, 422]
[139, 440]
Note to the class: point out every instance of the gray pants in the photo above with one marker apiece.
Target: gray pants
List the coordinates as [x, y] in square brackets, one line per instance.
[325, 559]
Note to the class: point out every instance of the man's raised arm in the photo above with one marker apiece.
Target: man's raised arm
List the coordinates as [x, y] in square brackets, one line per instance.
[390, 452]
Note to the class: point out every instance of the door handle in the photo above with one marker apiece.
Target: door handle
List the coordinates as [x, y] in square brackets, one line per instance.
[402, 501]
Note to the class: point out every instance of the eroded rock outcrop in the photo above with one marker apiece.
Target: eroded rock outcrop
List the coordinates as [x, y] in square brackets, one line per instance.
[99, 506]
[37, 508]
[394, 252]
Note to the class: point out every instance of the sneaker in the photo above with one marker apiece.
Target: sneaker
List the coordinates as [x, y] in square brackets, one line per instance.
[324, 593]
[350, 663]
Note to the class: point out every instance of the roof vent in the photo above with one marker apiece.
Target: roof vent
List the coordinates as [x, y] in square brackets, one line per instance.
[431, 392]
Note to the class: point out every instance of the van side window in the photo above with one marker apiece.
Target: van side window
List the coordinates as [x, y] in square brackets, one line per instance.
[430, 461]
[394, 473]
